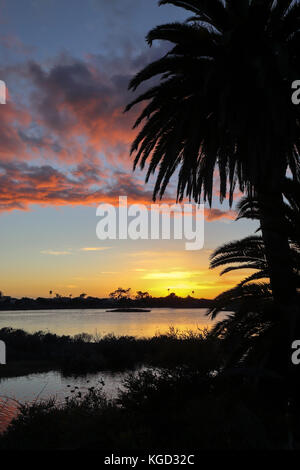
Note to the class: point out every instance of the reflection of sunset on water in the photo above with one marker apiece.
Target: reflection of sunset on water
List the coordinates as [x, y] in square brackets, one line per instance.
[8, 411]
[99, 322]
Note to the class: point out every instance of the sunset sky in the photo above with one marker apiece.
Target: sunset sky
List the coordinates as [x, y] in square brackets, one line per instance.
[64, 149]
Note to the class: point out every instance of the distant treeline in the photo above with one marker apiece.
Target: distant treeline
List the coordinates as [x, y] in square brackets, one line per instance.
[85, 302]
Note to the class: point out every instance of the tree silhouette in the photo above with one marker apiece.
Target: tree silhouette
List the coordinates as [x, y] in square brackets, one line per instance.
[223, 103]
[142, 295]
[120, 294]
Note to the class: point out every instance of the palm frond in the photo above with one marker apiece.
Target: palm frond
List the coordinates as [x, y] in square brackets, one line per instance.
[242, 294]
[212, 11]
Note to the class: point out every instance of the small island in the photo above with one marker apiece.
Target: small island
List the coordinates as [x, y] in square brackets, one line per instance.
[124, 310]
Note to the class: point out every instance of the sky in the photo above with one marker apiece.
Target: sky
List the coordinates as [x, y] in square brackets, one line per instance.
[64, 149]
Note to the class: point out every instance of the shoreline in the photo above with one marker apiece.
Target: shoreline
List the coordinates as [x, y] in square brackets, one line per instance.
[39, 352]
[16, 309]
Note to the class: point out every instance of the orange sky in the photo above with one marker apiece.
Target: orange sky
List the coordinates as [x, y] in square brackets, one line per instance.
[99, 270]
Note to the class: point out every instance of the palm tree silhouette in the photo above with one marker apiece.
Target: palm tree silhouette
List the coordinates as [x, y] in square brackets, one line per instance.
[223, 103]
[247, 253]
[252, 334]
[250, 253]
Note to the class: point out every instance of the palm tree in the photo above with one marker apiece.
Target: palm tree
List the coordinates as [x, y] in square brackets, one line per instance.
[250, 253]
[252, 334]
[224, 102]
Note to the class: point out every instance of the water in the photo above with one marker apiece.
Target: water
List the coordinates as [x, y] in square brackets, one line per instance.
[98, 321]
[34, 387]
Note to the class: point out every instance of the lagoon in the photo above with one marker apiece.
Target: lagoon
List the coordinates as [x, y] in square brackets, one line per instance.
[100, 322]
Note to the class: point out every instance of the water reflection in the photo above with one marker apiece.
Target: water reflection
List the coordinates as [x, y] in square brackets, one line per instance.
[98, 321]
[8, 411]
[34, 387]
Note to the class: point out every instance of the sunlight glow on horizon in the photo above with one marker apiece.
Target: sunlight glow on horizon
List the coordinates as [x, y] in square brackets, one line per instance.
[65, 276]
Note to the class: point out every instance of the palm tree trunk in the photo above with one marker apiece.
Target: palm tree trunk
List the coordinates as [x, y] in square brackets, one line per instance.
[283, 283]
[278, 253]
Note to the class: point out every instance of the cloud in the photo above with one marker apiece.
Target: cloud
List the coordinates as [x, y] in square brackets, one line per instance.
[68, 144]
[217, 214]
[173, 275]
[85, 99]
[23, 184]
[72, 124]
[55, 253]
[14, 44]
[69, 108]
[151, 254]
[12, 118]
[94, 248]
